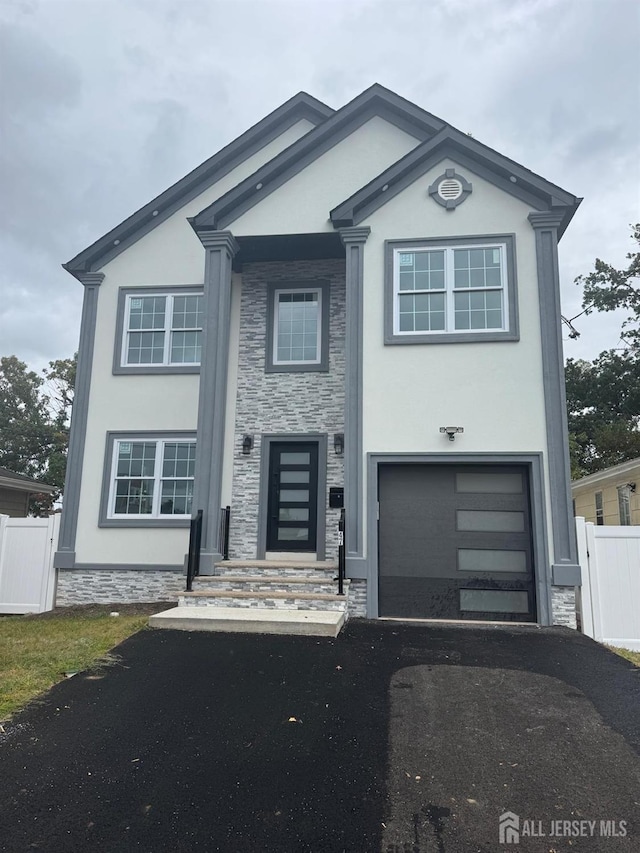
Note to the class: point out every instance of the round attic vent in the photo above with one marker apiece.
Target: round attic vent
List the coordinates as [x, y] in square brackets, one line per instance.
[450, 189]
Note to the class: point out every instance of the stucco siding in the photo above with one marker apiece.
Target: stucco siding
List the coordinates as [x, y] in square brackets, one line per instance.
[171, 254]
[302, 205]
[494, 390]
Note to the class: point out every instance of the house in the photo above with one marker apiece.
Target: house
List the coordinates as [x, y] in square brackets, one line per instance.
[362, 299]
[15, 491]
[609, 496]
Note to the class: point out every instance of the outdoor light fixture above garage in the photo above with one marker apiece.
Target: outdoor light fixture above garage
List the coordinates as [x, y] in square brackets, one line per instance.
[451, 431]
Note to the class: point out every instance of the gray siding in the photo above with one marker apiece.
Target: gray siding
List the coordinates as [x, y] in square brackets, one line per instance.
[14, 503]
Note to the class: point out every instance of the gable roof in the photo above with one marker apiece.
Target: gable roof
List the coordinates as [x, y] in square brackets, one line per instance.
[300, 106]
[9, 479]
[467, 151]
[374, 101]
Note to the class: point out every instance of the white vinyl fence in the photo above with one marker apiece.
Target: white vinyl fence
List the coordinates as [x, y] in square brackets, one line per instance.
[610, 594]
[27, 576]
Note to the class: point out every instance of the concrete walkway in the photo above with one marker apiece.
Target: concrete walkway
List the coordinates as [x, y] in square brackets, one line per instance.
[399, 738]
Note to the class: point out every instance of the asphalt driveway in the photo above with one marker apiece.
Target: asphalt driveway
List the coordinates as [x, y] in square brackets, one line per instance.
[399, 738]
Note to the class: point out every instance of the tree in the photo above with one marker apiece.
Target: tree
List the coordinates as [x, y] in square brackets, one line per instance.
[609, 289]
[603, 407]
[603, 396]
[34, 422]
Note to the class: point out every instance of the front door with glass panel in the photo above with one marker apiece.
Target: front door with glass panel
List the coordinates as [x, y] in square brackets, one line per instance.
[293, 497]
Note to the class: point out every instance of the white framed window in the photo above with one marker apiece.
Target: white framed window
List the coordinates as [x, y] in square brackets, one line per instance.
[151, 478]
[297, 339]
[162, 329]
[624, 504]
[453, 289]
[599, 508]
[297, 332]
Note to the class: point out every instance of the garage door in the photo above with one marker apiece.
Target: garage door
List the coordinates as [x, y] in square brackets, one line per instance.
[455, 543]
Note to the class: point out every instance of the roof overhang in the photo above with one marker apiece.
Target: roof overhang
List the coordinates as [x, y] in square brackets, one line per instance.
[608, 474]
[30, 486]
[375, 101]
[508, 175]
[301, 106]
[288, 247]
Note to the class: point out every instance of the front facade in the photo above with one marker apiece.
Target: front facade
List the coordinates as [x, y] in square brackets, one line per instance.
[609, 496]
[361, 302]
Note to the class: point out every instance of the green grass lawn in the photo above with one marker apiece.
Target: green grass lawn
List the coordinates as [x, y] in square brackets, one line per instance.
[634, 657]
[36, 651]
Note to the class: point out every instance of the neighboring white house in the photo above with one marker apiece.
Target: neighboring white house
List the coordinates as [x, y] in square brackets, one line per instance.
[308, 310]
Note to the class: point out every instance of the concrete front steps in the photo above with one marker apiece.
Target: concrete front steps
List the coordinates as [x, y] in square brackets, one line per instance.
[262, 596]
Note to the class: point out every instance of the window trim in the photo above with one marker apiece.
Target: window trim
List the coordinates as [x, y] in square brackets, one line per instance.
[119, 367]
[107, 520]
[273, 289]
[510, 333]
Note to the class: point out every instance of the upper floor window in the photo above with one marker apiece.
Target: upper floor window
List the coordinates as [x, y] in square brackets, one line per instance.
[163, 330]
[450, 291]
[159, 331]
[296, 337]
[298, 327]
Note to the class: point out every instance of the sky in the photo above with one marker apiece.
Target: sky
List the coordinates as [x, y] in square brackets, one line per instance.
[105, 103]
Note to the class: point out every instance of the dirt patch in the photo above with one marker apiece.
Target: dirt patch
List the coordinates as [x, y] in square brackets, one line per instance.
[88, 610]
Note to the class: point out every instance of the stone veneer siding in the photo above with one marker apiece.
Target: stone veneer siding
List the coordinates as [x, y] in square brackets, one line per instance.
[117, 587]
[281, 403]
[357, 604]
[563, 606]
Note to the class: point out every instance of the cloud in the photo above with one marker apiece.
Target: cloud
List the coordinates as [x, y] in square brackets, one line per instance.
[111, 102]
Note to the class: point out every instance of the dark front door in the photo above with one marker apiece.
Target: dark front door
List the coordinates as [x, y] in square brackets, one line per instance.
[293, 497]
[455, 542]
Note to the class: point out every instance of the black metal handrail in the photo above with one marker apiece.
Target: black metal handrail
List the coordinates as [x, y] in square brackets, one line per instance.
[193, 557]
[341, 554]
[223, 532]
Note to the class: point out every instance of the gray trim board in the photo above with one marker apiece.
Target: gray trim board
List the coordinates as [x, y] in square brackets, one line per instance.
[65, 553]
[123, 567]
[565, 547]
[566, 575]
[468, 153]
[375, 101]
[354, 240]
[511, 334]
[299, 284]
[148, 369]
[300, 106]
[534, 462]
[133, 435]
[263, 499]
[221, 247]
